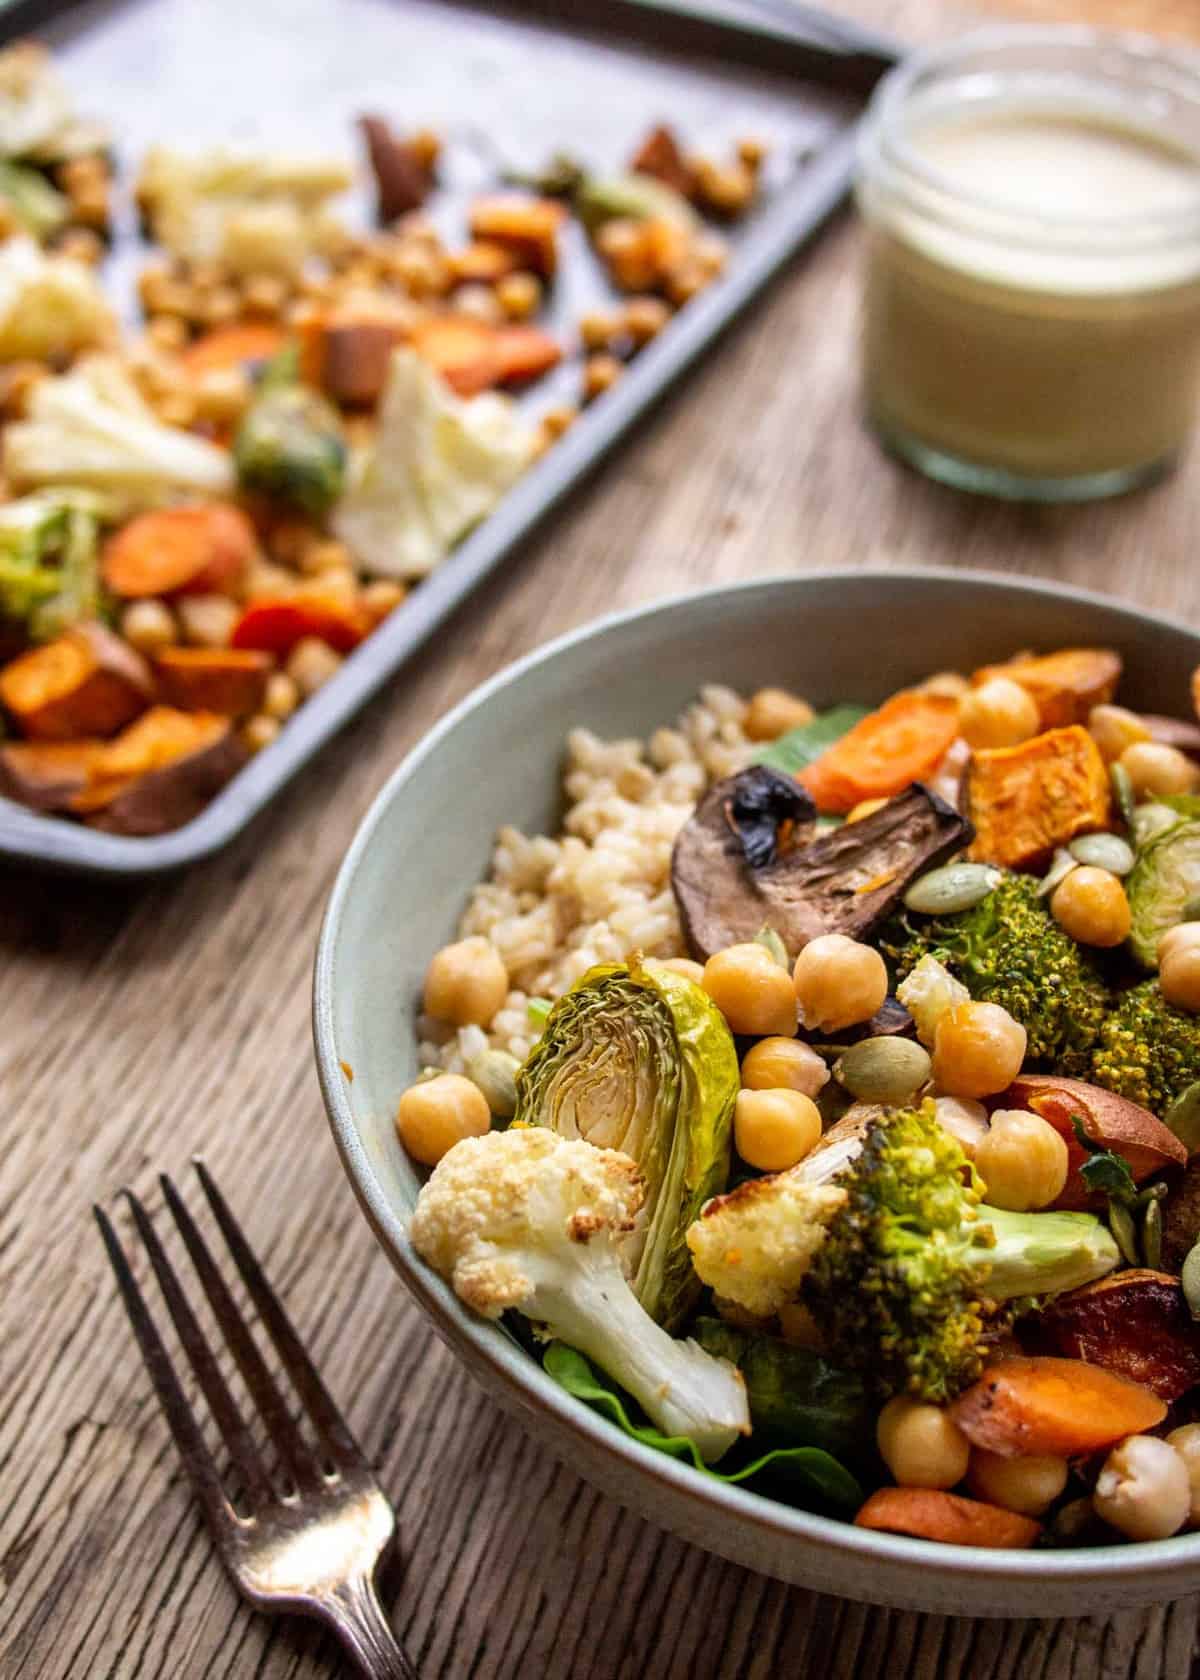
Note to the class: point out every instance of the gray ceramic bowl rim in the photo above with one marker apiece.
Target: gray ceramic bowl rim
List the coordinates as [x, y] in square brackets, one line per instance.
[509, 1366]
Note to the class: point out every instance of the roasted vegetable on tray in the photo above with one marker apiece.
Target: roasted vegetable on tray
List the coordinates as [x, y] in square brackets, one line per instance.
[212, 511]
[893, 1017]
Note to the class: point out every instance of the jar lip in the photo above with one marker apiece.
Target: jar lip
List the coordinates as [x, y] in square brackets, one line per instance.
[882, 136]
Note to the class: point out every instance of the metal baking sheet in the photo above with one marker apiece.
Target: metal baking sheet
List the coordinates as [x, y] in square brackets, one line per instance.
[504, 86]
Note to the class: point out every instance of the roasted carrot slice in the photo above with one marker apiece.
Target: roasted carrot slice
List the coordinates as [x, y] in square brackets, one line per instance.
[1060, 1407]
[931, 1515]
[228, 681]
[466, 352]
[525, 353]
[173, 551]
[86, 683]
[901, 743]
[241, 346]
[275, 625]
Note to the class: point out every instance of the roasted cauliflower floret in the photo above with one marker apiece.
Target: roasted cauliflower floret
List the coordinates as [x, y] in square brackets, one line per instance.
[755, 1245]
[530, 1221]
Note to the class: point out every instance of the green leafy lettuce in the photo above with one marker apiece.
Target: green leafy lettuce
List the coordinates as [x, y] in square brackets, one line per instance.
[794, 751]
[810, 1473]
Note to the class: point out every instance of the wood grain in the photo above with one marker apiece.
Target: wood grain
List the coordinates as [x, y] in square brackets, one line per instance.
[141, 1024]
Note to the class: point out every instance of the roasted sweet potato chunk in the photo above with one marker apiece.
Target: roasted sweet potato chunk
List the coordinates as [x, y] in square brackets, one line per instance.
[1135, 1323]
[46, 775]
[1111, 1121]
[86, 683]
[527, 226]
[1065, 685]
[1026, 800]
[228, 681]
[160, 772]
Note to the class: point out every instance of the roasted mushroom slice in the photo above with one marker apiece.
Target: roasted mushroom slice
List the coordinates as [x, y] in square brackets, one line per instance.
[744, 861]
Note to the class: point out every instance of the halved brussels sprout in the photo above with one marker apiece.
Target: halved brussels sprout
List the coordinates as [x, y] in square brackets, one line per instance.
[637, 1058]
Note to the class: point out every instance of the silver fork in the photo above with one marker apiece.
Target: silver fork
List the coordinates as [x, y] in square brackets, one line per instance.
[308, 1542]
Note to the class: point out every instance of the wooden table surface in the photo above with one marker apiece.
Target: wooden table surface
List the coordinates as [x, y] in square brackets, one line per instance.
[139, 1024]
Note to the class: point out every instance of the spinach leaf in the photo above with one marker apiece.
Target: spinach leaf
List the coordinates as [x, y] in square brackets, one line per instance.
[791, 752]
[811, 1471]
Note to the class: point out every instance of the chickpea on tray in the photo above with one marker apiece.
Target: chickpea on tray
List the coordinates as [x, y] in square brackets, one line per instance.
[822, 1105]
[201, 518]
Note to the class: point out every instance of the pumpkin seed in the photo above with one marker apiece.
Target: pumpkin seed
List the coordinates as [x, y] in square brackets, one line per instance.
[1120, 1223]
[1190, 1279]
[1183, 1118]
[953, 887]
[883, 1070]
[1061, 866]
[1152, 1232]
[1122, 786]
[767, 937]
[1103, 851]
[495, 1073]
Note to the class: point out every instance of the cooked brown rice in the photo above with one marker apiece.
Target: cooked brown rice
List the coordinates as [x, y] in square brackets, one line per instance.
[553, 908]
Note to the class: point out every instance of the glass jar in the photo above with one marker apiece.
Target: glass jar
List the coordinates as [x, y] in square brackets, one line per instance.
[1032, 312]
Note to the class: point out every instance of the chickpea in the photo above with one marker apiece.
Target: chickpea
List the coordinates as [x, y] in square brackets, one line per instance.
[466, 983]
[166, 332]
[1179, 977]
[1090, 905]
[950, 683]
[783, 1064]
[752, 151]
[772, 712]
[600, 374]
[149, 626]
[1186, 1442]
[207, 620]
[222, 395]
[838, 982]
[921, 1444]
[864, 808]
[977, 1050]
[597, 330]
[690, 970]
[480, 303]
[774, 1130]
[281, 696]
[1023, 1160]
[751, 990]
[264, 294]
[438, 1113]
[1184, 936]
[726, 188]
[1113, 729]
[999, 713]
[259, 731]
[519, 295]
[644, 318]
[311, 663]
[558, 420]
[313, 555]
[1144, 1489]
[966, 1121]
[1028, 1485]
[380, 598]
[1155, 769]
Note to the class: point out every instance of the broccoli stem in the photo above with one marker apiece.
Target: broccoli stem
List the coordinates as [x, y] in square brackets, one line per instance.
[1043, 1253]
[681, 1389]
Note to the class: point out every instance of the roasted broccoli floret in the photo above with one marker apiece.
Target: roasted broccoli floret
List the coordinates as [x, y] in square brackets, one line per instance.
[1148, 1051]
[903, 1267]
[1009, 950]
[525, 1219]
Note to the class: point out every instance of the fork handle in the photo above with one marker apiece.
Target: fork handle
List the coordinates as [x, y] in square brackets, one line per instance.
[357, 1617]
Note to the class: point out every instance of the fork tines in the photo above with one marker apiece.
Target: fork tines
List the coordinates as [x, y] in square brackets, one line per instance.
[304, 1466]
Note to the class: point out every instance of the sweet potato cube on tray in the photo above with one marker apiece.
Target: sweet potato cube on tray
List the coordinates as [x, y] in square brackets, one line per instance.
[1026, 800]
[1135, 1323]
[228, 681]
[1065, 685]
[85, 683]
[160, 772]
[46, 775]
[527, 226]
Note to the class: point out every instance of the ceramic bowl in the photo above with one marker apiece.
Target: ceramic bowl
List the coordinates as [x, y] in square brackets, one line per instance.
[427, 840]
